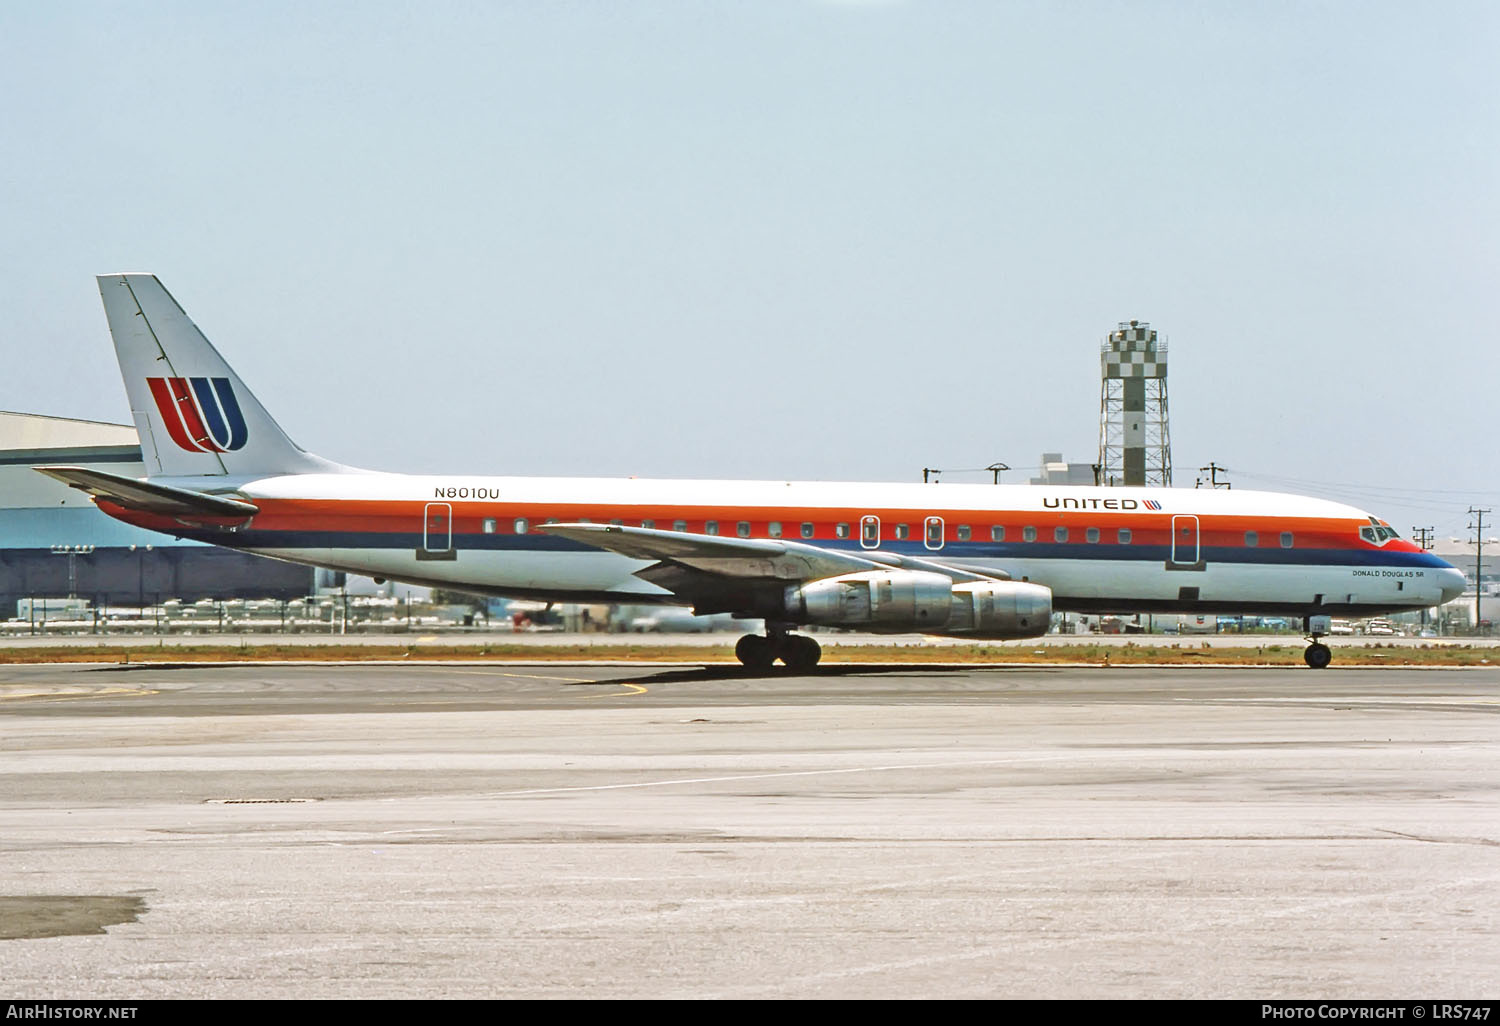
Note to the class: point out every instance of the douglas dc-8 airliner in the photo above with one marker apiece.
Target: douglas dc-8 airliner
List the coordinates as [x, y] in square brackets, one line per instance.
[974, 561]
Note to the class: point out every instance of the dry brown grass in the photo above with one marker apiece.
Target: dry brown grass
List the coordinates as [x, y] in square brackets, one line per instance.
[1289, 654]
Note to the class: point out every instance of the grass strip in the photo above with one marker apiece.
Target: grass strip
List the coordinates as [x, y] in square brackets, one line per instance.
[977, 654]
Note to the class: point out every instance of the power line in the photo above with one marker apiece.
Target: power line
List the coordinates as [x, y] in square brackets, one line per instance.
[930, 474]
[1424, 500]
[1364, 487]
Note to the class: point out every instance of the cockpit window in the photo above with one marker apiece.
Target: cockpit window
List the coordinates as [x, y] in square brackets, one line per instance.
[1378, 533]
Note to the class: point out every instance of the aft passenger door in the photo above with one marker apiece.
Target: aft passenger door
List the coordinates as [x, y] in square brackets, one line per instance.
[1187, 552]
[437, 532]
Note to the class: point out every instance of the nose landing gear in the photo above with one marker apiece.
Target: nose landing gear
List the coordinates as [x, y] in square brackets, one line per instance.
[796, 651]
[1317, 655]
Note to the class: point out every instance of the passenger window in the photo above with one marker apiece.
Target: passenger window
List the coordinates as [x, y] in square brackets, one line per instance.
[742, 528]
[1124, 536]
[773, 529]
[618, 523]
[902, 531]
[1060, 534]
[807, 530]
[679, 525]
[1252, 540]
[489, 525]
[963, 532]
[1286, 539]
[710, 527]
[1091, 535]
[869, 532]
[1028, 534]
[997, 533]
[649, 525]
[840, 531]
[520, 526]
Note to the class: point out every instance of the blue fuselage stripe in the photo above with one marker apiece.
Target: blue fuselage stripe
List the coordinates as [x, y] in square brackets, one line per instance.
[283, 540]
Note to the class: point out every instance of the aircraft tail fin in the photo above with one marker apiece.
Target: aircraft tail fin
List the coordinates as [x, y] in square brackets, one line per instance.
[194, 414]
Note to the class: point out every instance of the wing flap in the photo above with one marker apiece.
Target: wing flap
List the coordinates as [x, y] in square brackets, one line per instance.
[767, 559]
[953, 573]
[752, 558]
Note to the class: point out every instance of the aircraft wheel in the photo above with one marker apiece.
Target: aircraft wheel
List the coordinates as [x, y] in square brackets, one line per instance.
[1318, 655]
[754, 652]
[801, 652]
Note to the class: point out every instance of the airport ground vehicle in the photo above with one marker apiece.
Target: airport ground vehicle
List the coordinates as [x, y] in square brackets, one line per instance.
[975, 561]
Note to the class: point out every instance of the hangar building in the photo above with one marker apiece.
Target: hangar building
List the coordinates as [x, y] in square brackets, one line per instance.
[54, 543]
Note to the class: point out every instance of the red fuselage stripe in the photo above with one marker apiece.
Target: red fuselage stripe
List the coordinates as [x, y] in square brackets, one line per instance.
[386, 516]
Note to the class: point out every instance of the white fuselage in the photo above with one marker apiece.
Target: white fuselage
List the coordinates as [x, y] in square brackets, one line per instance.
[1097, 549]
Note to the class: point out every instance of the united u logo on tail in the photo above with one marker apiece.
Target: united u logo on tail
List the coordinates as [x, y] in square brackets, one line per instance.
[201, 414]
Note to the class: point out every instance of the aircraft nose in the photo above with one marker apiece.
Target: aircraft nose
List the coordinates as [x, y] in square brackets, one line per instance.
[1453, 583]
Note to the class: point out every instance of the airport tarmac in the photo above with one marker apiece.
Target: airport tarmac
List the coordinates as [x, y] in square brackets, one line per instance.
[553, 830]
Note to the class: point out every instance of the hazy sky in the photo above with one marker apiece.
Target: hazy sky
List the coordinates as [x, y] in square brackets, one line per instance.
[785, 238]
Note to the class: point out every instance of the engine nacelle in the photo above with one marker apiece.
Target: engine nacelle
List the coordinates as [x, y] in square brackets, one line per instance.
[875, 600]
[1000, 610]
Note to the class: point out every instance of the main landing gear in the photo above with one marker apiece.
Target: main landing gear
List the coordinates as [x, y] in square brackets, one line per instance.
[797, 651]
[1317, 655]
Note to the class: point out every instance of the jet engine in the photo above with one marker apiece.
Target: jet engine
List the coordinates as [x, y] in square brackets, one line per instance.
[1004, 609]
[916, 600]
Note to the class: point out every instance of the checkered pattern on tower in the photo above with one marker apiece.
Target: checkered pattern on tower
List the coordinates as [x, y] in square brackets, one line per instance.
[1132, 352]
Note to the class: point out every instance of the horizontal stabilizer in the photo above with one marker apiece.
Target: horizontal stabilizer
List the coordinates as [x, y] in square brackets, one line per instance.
[149, 498]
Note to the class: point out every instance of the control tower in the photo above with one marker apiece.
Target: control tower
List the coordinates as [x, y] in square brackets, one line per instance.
[1135, 447]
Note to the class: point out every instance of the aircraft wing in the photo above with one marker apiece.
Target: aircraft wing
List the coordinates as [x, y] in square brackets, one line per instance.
[129, 493]
[715, 573]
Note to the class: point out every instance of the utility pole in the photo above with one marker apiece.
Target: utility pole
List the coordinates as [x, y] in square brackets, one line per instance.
[1478, 526]
[1213, 476]
[931, 475]
[1424, 539]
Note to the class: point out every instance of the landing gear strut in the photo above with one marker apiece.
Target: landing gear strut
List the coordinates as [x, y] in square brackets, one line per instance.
[1317, 655]
[796, 651]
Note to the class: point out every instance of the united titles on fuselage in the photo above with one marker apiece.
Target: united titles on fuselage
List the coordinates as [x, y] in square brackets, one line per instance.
[1051, 502]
